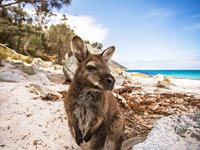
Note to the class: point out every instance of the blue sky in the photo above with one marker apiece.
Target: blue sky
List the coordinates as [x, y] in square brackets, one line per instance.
[148, 34]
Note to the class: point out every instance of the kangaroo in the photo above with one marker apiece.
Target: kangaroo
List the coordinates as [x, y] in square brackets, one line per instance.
[94, 117]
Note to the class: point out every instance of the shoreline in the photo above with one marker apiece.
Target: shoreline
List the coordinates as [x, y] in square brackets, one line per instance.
[182, 74]
[166, 83]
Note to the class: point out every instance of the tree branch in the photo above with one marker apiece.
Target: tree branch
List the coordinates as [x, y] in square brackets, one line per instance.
[8, 4]
[17, 2]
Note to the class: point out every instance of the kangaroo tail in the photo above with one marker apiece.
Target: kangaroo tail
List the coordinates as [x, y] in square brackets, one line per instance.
[129, 143]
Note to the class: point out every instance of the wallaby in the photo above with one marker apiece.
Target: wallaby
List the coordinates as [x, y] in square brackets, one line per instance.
[94, 117]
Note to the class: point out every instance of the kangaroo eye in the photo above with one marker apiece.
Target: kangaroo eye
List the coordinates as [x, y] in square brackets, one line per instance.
[91, 68]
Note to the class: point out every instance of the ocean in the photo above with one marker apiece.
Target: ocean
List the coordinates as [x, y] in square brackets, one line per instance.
[183, 74]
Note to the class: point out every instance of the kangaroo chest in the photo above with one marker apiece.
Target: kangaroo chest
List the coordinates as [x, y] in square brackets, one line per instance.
[87, 109]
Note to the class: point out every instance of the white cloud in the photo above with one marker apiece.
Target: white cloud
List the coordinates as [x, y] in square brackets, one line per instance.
[88, 28]
[85, 26]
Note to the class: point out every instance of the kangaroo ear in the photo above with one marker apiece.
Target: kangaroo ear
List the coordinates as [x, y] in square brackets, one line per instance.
[79, 49]
[107, 54]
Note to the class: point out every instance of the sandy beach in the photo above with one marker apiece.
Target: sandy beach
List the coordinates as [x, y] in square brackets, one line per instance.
[145, 52]
[32, 114]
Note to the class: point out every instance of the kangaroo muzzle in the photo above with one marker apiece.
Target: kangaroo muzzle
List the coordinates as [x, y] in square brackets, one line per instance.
[107, 82]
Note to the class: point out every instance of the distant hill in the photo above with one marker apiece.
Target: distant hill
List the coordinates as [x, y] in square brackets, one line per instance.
[115, 64]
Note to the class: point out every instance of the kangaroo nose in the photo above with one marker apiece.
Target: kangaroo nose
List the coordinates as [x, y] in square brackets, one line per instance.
[110, 80]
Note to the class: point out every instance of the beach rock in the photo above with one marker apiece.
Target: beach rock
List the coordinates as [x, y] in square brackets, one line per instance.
[8, 64]
[29, 69]
[174, 132]
[162, 82]
[160, 77]
[43, 90]
[118, 75]
[12, 76]
[70, 65]
[119, 81]
[128, 78]
[57, 78]
[140, 75]
[40, 63]
[58, 67]
[39, 78]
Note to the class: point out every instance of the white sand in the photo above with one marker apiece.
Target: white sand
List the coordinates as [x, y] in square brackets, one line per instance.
[177, 85]
[27, 122]
[186, 86]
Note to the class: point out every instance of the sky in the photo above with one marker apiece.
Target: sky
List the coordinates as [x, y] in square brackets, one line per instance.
[147, 34]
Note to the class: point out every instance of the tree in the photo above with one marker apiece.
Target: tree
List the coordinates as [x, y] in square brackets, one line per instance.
[58, 39]
[14, 24]
[23, 32]
[43, 8]
[43, 5]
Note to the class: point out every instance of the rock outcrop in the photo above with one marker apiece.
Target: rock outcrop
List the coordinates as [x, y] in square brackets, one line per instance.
[175, 132]
[162, 81]
[12, 76]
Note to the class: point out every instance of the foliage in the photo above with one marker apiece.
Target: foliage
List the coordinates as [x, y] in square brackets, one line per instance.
[43, 8]
[26, 33]
[58, 39]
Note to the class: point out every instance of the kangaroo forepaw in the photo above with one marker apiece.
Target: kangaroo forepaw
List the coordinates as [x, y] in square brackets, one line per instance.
[88, 136]
[79, 139]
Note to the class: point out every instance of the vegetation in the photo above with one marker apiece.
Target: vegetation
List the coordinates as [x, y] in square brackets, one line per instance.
[6, 53]
[57, 40]
[30, 34]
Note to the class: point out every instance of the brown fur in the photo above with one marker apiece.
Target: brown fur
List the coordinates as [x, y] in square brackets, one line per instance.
[94, 117]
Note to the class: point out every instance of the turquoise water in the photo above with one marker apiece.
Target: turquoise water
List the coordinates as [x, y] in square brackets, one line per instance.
[185, 74]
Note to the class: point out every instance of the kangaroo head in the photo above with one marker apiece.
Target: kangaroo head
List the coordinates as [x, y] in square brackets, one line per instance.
[92, 71]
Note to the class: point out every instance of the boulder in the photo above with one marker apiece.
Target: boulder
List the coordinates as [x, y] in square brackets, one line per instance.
[140, 75]
[175, 132]
[69, 68]
[11, 76]
[119, 81]
[70, 65]
[43, 90]
[162, 81]
[118, 75]
[160, 77]
[29, 69]
[40, 63]
[39, 78]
